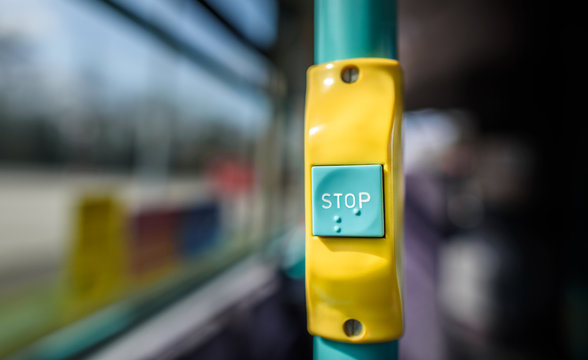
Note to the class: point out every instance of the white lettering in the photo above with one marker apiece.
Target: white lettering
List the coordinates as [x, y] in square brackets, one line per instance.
[338, 199]
[347, 203]
[363, 199]
[325, 199]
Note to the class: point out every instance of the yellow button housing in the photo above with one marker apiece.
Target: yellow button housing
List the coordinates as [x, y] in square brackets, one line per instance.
[356, 123]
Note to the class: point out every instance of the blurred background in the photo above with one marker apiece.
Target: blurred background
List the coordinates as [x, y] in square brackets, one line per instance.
[151, 180]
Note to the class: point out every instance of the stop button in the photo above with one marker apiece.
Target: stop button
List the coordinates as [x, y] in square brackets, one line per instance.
[347, 200]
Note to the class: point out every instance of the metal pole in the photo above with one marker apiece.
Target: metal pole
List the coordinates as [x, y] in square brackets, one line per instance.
[346, 29]
[325, 349]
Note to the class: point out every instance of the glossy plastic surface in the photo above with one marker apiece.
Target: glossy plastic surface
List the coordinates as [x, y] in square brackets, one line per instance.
[347, 201]
[356, 123]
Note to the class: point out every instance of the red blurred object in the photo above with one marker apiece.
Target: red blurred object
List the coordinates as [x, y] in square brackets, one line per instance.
[154, 241]
[230, 176]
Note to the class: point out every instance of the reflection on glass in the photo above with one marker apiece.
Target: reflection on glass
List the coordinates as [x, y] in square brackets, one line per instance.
[124, 162]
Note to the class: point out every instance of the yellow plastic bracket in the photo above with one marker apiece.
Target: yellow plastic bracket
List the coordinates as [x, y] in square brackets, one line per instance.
[354, 124]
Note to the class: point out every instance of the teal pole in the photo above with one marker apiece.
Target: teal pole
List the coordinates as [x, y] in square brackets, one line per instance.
[325, 349]
[346, 29]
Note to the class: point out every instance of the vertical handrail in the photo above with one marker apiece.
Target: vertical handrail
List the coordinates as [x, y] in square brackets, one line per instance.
[346, 29]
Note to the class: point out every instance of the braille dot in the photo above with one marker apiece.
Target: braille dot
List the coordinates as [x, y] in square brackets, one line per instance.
[337, 218]
[337, 229]
[356, 211]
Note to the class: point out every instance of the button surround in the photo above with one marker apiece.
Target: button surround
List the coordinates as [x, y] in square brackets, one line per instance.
[347, 201]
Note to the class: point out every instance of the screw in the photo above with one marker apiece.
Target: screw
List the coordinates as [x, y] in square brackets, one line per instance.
[350, 74]
[352, 327]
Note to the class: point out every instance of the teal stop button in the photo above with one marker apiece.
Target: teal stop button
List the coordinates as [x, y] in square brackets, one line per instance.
[347, 200]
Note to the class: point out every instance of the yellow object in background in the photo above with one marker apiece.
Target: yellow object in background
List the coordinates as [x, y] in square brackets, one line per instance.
[354, 117]
[97, 268]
